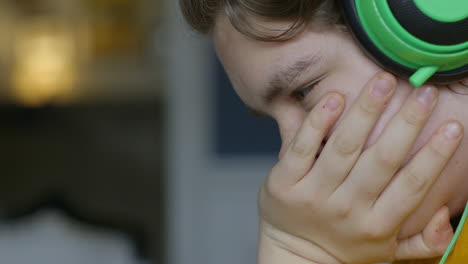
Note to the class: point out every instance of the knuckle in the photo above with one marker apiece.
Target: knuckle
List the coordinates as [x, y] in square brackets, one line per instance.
[412, 117]
[376, 232]
[426, 249]
[370, 192]
[387, 159]
[345, 147]
[343, 210]
[272, 187]
[312, 202]
[417, 182]
[438, 151]
[367, 109]
[275, 189]
[301, 150]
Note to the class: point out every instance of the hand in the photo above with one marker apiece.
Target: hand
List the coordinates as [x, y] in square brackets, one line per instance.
[347, 205]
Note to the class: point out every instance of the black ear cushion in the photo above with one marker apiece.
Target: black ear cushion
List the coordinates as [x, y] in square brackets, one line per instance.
[426, 28]
[450, 76]
[350, 14]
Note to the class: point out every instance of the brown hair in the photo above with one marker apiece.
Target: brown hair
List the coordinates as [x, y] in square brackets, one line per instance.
[201, 15]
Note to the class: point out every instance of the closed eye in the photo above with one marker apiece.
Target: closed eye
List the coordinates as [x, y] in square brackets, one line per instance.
[301, 94]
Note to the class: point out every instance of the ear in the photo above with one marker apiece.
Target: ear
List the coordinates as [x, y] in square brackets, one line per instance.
[460, 87]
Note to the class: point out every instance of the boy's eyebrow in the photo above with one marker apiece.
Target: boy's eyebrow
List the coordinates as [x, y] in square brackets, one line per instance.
[283, 79]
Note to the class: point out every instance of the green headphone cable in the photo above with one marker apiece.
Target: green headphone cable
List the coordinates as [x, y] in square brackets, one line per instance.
[455, 236]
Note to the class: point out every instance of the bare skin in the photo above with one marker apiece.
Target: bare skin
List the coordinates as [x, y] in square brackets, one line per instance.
[393, 155]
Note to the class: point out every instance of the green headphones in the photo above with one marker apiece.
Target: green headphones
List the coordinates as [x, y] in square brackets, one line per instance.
[423, 40]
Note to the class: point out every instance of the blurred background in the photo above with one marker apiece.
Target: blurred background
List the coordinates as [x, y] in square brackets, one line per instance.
[122, 140]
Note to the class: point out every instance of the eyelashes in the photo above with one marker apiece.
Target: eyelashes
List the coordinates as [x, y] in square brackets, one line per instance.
[301, 94]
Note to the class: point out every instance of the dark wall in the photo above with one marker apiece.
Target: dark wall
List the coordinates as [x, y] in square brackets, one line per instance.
[238, 132]
[100, 164]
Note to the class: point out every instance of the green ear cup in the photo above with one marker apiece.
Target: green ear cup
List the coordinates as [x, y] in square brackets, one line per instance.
[412, 38]
[444, 10]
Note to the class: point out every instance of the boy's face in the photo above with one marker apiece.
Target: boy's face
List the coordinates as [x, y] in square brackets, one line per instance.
[270, 77]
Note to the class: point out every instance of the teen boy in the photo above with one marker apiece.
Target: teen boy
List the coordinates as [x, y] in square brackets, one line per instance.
[369, 171]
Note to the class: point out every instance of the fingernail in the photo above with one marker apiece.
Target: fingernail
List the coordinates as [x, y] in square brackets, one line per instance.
[426, 94]
[452, 130]
[382, 87]
[332, 104]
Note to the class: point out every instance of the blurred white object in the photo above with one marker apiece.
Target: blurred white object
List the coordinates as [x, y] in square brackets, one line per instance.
[49, 237]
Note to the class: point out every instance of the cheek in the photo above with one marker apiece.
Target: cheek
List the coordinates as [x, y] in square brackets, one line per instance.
[440, 115]
[402, 92]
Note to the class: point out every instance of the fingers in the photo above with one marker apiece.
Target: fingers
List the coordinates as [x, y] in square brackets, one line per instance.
[413, 181]
[346, 143]
[431, 242]
[301, 153]
[380, 162]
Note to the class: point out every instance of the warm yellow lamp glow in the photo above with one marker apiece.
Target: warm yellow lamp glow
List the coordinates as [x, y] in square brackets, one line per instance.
[45, 65]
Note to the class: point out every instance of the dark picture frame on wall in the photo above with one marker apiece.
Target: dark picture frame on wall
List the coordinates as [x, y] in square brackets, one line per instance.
[237, 131]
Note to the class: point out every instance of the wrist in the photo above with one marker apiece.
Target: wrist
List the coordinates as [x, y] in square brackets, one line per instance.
[279, 247]
[270, 252]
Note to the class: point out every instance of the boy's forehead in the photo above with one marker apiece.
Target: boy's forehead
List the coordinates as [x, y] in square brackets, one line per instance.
[247, 62]
[259, 69]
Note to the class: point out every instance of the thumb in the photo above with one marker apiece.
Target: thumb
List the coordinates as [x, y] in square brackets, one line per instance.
[431, 242]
